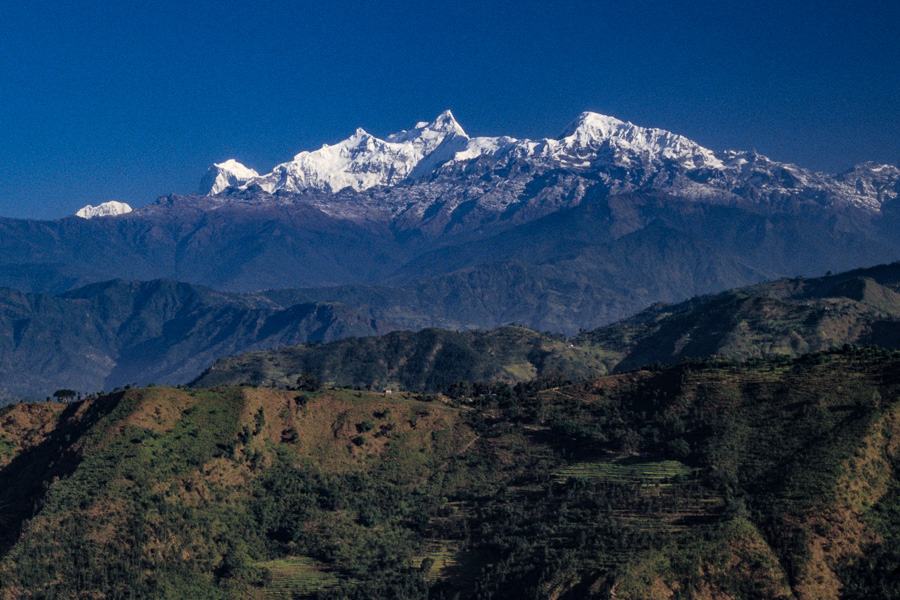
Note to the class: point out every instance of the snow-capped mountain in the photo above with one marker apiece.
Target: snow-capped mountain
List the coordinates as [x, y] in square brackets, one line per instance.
[363, 161]
[593, 140]
[431, 227]
[596, 148]
[107, 209]
[223, 175]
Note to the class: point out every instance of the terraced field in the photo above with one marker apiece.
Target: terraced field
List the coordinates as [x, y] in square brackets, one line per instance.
[625, 470]
[444, 554]
[557, 492]
[666, 495]
[297, 576]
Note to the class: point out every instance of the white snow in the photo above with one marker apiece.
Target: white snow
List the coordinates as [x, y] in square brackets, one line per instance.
[592, 136]
[363, 161]
[224, 175]
[106, 209]
[640, 156]
[485, 146]
[631, 143]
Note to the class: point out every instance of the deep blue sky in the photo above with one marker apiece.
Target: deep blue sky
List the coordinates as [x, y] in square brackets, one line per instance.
[131, 100]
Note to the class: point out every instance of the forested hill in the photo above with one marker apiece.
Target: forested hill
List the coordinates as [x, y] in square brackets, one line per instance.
[776, 478]
[427, 360]
[787, 317]
[783, 317]
[114, 333]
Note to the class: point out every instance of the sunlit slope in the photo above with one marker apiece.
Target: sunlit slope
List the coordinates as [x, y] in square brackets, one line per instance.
[770, 479]
[429, 360]
[784, 317]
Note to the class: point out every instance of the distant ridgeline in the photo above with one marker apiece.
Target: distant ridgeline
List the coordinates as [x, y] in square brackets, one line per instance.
[116, 333]
[773, 478]
[108, 335]
[430, 227]
[788, 317]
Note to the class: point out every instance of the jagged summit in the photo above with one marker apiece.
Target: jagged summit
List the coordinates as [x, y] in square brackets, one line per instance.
[106, 209]
[223, 175]
[624, 156]
[445, 124]
[362, 161]
[629, 144]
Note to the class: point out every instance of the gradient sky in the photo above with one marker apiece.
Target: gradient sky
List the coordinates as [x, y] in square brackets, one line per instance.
[131, 100]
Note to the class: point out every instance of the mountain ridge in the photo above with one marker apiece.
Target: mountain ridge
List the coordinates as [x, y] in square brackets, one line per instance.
[786, 317]
[114, 333]
[774, 478]
[592, 140]
[587, 228]
[106, 209]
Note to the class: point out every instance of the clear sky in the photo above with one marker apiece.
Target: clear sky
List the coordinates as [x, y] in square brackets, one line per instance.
[108, 100]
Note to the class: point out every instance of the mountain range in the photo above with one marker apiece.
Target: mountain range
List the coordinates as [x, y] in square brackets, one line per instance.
[119, 333]
[782, 318]
[116, 333]
[431, 227]
[595, 418]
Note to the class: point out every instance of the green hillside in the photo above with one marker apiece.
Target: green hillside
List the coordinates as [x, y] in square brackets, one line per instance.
[775, 478]
[784, 317]
[428, 360]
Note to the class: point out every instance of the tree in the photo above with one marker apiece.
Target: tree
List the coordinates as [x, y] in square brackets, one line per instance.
[64, 395]
[260, 420]
[308, 382]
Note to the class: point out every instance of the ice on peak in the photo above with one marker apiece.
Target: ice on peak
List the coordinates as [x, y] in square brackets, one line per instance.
[225, 174]
[447, 122]
[594, 125]
[363, 161]
[106, 209]
[628, 144]
[875, 167]
[444, 125]
[237, 168]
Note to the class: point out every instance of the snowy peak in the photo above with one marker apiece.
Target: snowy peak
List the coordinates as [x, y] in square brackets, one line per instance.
[593, 126]
[447, 122]
[629, 144]
[430, 135]
[363, 161]
[874, 182]
[223, 175]
[623, 156]
[873, 170]
[107, 209]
